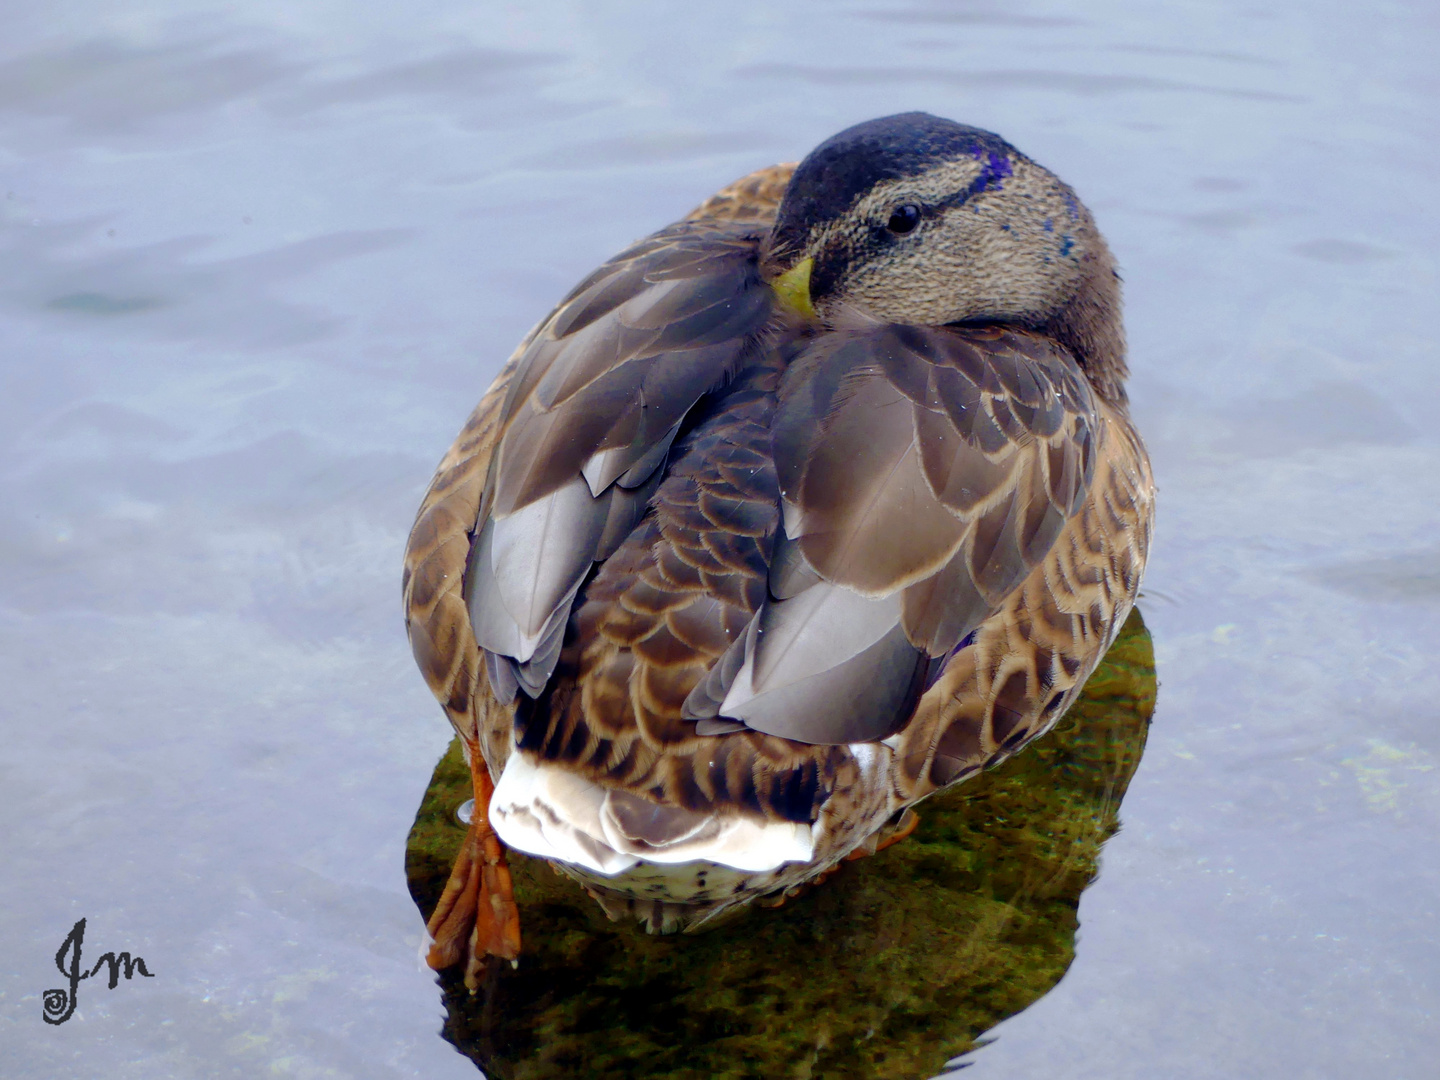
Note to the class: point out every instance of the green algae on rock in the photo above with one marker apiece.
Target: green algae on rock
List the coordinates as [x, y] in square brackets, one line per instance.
[888, 970]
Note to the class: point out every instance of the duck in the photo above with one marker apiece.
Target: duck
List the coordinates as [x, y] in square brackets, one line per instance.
[801, 509]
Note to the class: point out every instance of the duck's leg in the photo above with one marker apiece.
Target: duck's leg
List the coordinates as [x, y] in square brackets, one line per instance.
[476, 916]
[901, 829]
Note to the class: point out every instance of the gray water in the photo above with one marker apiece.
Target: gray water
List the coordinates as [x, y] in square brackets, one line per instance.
[258, 263]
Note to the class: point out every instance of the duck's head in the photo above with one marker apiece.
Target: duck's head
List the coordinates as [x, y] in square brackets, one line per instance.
[916, 219]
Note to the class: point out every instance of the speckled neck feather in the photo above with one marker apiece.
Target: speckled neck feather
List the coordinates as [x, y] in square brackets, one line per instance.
[1090, 326]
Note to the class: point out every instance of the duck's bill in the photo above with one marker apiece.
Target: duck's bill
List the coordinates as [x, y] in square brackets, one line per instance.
[793, 288]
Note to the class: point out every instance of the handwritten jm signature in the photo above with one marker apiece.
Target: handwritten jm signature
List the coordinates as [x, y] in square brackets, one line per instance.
[60, 1003]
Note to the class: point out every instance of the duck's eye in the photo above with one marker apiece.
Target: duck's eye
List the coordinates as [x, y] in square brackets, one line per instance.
[904, 219]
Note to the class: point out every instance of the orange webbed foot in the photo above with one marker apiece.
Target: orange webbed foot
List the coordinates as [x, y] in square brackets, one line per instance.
[907, 824]
[476, 916]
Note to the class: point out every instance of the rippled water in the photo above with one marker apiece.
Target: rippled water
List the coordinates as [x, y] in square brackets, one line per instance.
[257, 264]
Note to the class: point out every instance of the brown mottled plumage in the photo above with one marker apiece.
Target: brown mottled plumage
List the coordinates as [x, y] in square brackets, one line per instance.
[793, 513]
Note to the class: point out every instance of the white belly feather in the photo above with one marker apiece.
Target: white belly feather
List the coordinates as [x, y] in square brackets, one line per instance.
[546, 810]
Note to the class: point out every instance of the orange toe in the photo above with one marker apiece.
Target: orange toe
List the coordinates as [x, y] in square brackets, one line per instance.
[909, 821]
[477, 916]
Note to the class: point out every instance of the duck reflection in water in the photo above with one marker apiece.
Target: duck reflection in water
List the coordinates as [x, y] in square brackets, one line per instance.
[889, 969]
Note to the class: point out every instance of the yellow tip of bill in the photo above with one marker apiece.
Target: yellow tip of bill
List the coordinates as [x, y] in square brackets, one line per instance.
[793, 288]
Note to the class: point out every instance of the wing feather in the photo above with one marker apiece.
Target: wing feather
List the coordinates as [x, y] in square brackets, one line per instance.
[924, 472]
[597, 399]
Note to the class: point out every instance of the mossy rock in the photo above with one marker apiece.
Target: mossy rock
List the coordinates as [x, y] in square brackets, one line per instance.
[891, 968]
